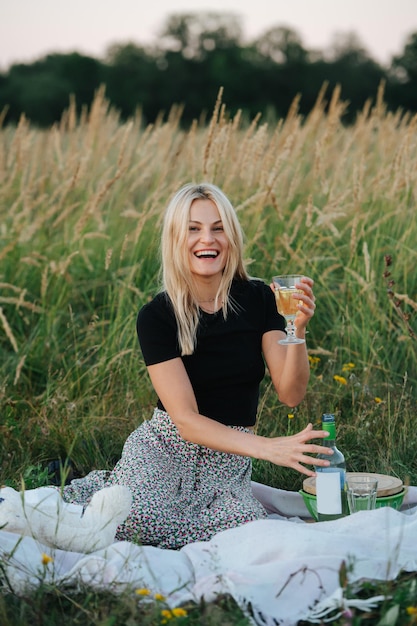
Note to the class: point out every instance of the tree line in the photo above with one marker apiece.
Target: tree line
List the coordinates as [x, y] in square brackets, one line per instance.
[197, 53]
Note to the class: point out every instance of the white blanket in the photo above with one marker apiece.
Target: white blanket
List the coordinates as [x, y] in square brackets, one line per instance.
[278, 570]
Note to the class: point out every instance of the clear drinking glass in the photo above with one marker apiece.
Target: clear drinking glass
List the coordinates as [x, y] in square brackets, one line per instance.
[287, 305]
[361, 493]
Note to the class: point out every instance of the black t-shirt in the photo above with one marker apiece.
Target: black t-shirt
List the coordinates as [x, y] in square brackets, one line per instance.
[227, 366]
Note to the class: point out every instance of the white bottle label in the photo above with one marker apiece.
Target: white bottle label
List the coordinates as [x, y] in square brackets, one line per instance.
[328, 493]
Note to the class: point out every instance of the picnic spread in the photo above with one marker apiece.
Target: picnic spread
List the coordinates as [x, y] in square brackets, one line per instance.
[279, 570]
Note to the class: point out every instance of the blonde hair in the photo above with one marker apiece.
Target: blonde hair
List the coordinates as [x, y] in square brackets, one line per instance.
[176, 274]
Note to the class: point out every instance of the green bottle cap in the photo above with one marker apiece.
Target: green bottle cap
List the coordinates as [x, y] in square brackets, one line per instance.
[328, 423]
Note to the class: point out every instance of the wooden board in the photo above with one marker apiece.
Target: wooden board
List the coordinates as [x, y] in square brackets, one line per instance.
[387, 485]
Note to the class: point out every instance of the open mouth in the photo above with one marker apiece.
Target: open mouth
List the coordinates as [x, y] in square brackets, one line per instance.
[206, 254]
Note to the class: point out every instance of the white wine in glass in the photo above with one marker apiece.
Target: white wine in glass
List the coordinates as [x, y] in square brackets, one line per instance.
[287, 305]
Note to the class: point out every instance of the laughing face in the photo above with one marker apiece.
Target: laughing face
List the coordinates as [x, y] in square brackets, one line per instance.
[207, 243]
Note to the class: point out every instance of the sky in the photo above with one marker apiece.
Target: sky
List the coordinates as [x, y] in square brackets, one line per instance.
[30, 29]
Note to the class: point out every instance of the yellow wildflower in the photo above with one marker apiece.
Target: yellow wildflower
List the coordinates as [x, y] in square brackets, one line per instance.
[46, 559]
[179, 612]
[378, 400]
[167, 615]
[347, 367]
[313, 360]
[340, 379]
[160, 597]
[142, 592]
[412, 611]
[290, 416]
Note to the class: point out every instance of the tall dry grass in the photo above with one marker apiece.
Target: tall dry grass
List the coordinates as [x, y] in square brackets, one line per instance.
[80, 216]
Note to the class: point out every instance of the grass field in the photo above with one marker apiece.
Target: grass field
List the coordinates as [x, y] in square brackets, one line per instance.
[80, 217]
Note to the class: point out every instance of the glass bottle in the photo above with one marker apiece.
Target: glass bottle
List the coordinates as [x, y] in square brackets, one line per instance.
[330, 491]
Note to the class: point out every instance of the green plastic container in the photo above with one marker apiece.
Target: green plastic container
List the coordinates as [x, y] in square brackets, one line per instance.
[394, 501]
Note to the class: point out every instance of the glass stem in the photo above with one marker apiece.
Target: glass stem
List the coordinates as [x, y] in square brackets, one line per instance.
[291, 328]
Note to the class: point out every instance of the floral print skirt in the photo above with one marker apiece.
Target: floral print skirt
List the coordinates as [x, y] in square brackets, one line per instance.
[182, 492]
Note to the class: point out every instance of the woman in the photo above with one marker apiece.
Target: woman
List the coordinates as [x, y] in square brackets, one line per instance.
[205, 339]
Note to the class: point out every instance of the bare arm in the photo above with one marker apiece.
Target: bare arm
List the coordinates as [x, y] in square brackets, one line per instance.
[171, 383]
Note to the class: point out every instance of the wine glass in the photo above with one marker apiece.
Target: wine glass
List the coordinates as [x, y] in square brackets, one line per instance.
[287, 305]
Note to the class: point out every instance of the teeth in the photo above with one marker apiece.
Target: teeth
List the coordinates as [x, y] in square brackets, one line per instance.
[206, 253]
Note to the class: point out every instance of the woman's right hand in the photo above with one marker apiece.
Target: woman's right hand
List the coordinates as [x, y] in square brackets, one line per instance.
[171, 383]
[294, 450]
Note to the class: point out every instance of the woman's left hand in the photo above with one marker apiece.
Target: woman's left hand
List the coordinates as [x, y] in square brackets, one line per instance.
[306, 305]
